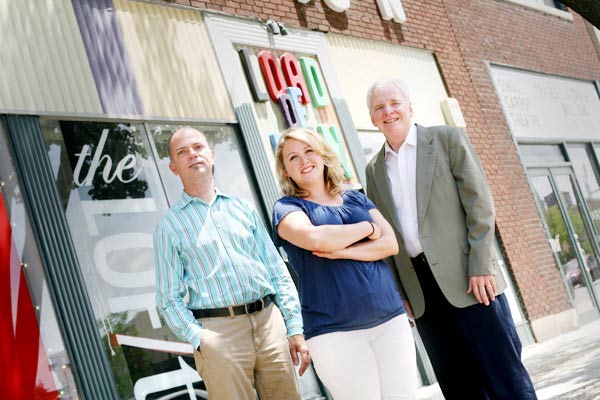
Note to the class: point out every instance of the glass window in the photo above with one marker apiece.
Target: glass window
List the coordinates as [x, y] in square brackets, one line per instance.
[115, 184]
[541, 154]
[38, 350]
[112, 197]
[552, 3]
[588, 180]
[562, 241]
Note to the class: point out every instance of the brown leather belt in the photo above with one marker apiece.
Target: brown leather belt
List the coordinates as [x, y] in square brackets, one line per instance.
[232, 311]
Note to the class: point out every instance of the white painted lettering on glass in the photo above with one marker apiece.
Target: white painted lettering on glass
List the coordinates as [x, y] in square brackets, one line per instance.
[128, 162]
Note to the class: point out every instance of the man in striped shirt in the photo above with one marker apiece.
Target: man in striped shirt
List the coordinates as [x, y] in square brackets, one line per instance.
[214, 248]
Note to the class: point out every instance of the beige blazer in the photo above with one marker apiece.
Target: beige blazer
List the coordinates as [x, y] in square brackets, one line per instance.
[455, 213]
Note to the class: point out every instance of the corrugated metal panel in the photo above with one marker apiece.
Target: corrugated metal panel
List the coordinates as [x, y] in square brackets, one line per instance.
[43, 65]
[360, 62]
[256, 151]
[354, 146]
[107, 57]
[174, 63]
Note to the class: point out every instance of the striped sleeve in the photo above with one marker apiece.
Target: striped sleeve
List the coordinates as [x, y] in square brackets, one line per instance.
[286, 295]
[170, 287]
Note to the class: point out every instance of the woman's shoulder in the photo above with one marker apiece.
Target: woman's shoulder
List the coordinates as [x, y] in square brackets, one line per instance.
[288, 203]
[290, 200]
[353, 195]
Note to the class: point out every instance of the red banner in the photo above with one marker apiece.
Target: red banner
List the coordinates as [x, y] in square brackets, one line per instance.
[24, 365]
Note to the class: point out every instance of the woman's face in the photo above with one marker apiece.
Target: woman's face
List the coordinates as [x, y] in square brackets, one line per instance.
[302, 163]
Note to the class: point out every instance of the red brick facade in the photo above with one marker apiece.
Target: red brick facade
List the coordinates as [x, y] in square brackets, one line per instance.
[506, 33]
[465, 35]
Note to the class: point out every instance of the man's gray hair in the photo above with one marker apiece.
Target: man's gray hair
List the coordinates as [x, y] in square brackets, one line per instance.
[383, 84]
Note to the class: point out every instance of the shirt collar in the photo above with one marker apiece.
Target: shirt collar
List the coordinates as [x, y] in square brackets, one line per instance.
[187, 199]
[411, 139]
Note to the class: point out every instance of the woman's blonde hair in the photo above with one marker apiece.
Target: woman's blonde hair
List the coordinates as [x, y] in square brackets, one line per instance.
[333, 173]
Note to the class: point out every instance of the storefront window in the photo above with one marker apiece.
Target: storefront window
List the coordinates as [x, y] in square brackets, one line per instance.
[588, 181]
[30, 330]
[112, 199]
[114, 184]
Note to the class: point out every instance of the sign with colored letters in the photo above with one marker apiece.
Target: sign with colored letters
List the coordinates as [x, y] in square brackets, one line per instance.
[289, 91]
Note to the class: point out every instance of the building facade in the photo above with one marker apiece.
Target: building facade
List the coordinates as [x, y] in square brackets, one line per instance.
[91, 90]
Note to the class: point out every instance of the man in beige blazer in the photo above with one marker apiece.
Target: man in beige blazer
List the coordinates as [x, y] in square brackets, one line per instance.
[429, 184]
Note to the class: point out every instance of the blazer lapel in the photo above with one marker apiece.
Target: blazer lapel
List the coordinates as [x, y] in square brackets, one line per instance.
[426, 156]
[384, 190]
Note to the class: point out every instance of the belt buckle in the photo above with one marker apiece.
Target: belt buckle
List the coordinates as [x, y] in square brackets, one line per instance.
[254, 306]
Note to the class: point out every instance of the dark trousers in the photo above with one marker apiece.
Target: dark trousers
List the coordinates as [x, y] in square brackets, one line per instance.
[475, 351]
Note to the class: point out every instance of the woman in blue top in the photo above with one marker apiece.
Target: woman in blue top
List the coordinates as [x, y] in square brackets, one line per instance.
[355, 323]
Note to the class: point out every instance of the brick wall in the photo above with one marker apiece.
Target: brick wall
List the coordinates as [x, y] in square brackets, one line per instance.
[464, 35]
[503, 32]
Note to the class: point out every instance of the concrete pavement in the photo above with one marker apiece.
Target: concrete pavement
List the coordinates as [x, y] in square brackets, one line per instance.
[566, 367]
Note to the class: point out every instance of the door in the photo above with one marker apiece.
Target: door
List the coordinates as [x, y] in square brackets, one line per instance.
[561, 206]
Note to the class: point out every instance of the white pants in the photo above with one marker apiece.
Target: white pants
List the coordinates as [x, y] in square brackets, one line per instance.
[368, 364]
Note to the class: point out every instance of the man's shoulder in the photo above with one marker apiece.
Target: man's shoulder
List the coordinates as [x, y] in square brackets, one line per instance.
[371, 164]
[165, 223]
[441, 134]
[237, 203]
[436, 130]
[237, 200]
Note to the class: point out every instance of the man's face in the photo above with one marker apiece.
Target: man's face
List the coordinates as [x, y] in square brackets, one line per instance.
[191, 157]
[391, 112]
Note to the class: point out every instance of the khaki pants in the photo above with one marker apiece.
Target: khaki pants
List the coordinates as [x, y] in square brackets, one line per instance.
[246, 352]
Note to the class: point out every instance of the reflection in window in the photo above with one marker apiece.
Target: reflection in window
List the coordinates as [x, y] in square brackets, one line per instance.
[51, 369]
[112, 198]
[113, 191]
[581, 236]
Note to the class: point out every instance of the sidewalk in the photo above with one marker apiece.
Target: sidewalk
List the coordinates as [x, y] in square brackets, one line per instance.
[566, 367]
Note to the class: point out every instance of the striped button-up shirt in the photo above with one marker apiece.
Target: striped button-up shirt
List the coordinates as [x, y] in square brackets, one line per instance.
[221, 255]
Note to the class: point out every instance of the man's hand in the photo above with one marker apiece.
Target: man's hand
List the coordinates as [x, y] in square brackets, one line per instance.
[298, 345]
[483, 288]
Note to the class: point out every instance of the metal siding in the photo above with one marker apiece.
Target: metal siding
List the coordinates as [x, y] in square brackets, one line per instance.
[173, 61]
[267, 184]
[43, 65]
[354, 147]
[110, 63]
[360, 62]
